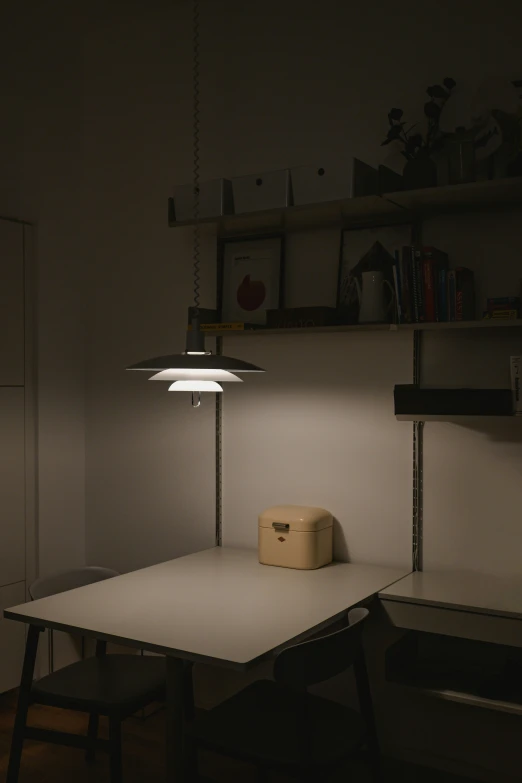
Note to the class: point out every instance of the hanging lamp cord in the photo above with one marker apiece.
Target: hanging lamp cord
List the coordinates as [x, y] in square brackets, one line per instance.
[195, 139]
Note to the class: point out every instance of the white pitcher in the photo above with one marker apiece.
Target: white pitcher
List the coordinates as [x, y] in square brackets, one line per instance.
[373, 307]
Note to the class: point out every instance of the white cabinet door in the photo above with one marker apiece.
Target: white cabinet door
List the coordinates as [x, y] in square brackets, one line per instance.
[11, 304]
[12, 486]
[12, 638]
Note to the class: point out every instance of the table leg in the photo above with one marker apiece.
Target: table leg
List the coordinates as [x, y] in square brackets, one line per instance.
[175, 721]
[24, 698]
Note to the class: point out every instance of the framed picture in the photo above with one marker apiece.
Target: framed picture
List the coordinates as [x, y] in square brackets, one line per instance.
[250, 279]
[368, 249]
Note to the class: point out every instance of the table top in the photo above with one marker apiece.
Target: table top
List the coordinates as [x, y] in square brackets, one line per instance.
[220, 605]
[461, 590]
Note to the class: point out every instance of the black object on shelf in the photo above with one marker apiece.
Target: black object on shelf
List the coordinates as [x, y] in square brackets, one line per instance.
[206, 315]
[301, 317]
[417, 402]
[389, 180]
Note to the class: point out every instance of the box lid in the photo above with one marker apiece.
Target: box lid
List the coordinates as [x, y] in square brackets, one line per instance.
[304, 518]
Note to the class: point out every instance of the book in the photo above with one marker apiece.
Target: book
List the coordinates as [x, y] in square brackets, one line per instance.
[503, 303]
[406, 284]
[397, 285]
[304, 317]
[464, 294]
[420, 285]
[452, 295]
[226, 327]
[433, 261]
[516, 377]
[443, 296]
[505, 315]
[415, 287]
[428, 289]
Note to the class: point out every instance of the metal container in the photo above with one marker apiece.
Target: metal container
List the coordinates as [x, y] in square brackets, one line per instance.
[347, 179]
[215, 199]
[295, 537]
[258, 192]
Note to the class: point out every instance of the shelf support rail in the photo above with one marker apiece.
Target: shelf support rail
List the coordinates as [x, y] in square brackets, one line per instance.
[418, 432]
[219, 456]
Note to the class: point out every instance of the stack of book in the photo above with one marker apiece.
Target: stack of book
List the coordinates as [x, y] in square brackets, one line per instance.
[503, 307]
[427, 289]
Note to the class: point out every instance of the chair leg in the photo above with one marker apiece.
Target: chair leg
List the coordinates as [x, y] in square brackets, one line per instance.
[366, 703]
[24, 695]
[115, 750]
[92, 735]
[188, 692]
[191, 747]
[375, 768]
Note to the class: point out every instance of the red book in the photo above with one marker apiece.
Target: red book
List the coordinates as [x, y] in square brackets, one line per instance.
[433, 262]
[464, 294]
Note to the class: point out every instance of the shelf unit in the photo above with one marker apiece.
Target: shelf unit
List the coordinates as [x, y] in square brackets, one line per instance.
[446, 326]
[401, 206]
[364, 212]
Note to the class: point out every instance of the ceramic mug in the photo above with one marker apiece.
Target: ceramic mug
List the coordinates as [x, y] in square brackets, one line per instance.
[373, 307]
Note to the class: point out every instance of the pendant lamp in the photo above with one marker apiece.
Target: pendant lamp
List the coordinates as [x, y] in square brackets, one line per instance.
[196, 370]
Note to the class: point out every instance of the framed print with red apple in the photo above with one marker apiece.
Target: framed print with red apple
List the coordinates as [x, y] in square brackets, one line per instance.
[250, 279]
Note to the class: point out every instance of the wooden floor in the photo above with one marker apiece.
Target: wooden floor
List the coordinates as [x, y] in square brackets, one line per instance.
[144, 743]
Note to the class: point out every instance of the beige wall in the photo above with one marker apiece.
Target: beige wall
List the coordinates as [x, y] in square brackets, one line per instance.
[41, 169]
[100, 130]
[281, 85]
[150, 457]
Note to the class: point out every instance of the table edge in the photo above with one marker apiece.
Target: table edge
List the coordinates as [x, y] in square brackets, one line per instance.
[452, 606]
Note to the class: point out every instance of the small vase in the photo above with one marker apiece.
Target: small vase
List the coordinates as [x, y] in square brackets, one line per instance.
[419, 173]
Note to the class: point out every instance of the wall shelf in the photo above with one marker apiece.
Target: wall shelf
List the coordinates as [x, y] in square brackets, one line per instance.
[397, 207]
[304, 330]
[459, 325]
[456, 198]
[431, 327]
[362, 211]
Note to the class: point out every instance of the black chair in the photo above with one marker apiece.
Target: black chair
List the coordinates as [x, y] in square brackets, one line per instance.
[280, 726]
[116, 686]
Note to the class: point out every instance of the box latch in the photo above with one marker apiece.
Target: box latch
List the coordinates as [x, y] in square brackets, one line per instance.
[280, 526]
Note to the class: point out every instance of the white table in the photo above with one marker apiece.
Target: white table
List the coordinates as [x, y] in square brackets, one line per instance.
[219, 606]
[468, 604]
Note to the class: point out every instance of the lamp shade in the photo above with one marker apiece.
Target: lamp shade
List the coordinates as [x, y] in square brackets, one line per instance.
[196, 370]
[196, 386]
[183, 374]
[194, 361]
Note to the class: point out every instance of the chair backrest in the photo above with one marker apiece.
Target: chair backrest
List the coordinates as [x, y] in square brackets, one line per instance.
[68, 580]
[321, 659]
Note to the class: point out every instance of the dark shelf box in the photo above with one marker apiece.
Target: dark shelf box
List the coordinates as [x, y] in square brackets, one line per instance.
[415, 401]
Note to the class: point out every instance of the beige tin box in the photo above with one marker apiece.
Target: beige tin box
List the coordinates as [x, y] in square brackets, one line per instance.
[295, 537]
